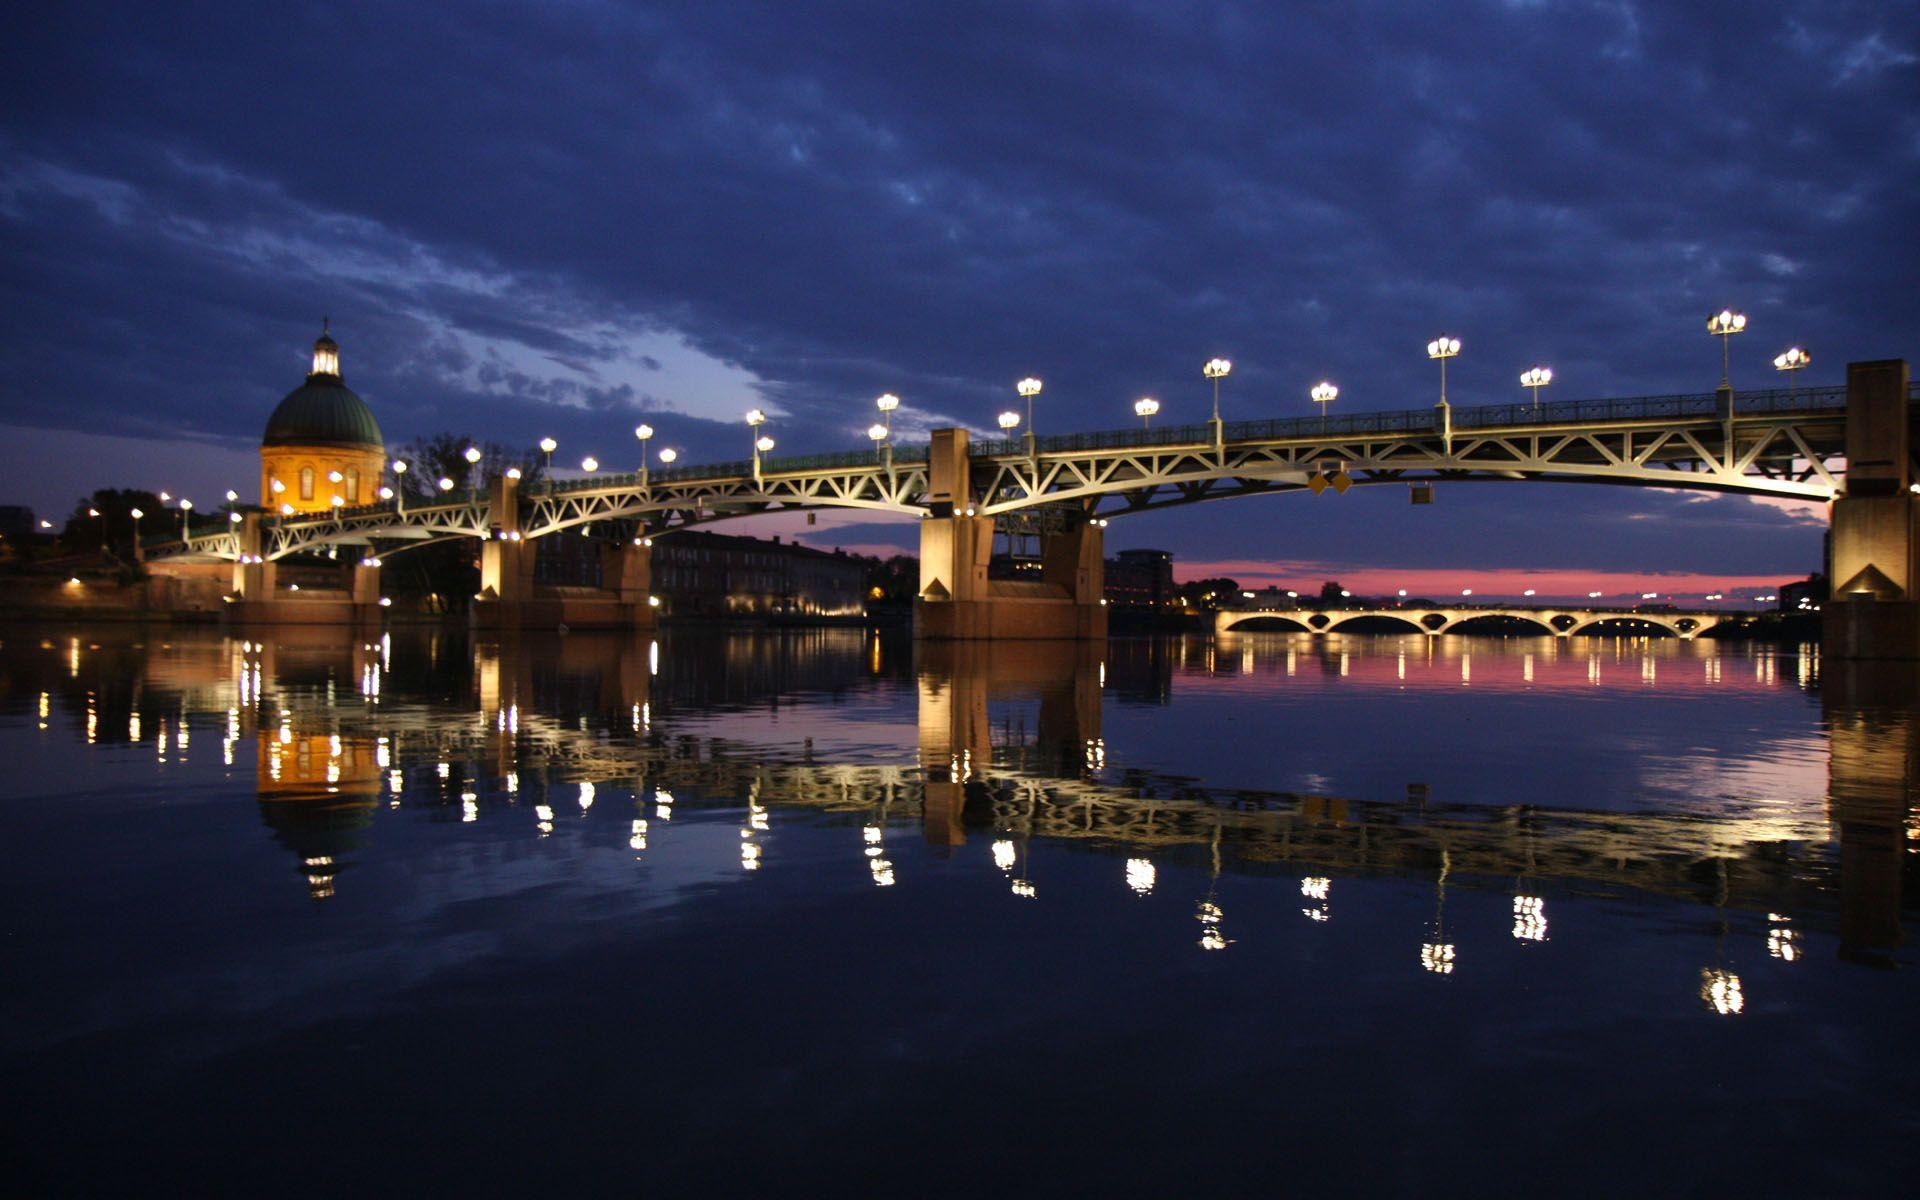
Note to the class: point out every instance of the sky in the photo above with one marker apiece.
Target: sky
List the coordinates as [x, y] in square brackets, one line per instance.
[564, 218]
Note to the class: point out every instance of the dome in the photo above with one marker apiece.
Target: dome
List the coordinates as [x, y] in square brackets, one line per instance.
[323, 412]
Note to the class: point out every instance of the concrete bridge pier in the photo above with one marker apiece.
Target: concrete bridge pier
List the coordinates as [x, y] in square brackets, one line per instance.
[957, 601]
[1874, 611]
[257, 599]
[510, 599]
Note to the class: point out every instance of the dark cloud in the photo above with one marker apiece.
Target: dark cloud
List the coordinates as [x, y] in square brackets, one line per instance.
[506, 207]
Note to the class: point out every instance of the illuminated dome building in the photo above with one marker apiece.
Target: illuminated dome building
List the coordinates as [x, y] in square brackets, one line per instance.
[322, 443]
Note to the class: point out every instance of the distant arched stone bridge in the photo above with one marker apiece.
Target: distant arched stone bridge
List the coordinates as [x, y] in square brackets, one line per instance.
[1561, 622]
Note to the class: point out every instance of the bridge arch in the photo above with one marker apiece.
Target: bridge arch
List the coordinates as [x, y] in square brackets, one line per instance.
[1461, 620]
[1396, 618]
[1626, 619]
[1265, 622]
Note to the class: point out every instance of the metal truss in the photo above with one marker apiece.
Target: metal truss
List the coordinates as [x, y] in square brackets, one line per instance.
[1799, 455]
[660, 506]
[1784, 444]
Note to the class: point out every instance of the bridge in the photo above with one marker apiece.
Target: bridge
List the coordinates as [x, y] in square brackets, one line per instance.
[1851, 445]
[1560, 622]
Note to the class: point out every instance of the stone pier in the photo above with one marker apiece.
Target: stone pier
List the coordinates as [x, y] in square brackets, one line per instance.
[957, 601]
[510, 599]
[1874, 612]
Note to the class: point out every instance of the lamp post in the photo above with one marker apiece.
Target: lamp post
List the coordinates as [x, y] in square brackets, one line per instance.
[1790, 360]
[1009, 421]
[1723, 325]
[878, 433]
[667, 455]
[644, 433]
[547, 447]
[1323, 394]
[1444, 348]
[886, 404]
[1216, 370]
[186, 518]
[136, 514]
[399, 485]
[1029, 388]
[1144, 408]
[1536, 378]
[589, 464]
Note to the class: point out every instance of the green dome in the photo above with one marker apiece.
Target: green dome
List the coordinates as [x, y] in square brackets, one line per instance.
[323, 412]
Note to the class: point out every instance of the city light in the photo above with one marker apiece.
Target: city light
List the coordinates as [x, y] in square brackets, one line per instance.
[1008, 420]
[756, 417]
[1216, 370]
[1536, 378]
[1144, 408]
[669, 454]
[589, 464]
[877, 432]
[1324, 393]
[1028, 388]
[446, 485]
[764, 444]
[1528, 592]
[1792, 360]
[886, 403]
[1443, 348]
[232, 495]
[1723, 325]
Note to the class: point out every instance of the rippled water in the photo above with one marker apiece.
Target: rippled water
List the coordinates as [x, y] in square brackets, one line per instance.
[803, 911]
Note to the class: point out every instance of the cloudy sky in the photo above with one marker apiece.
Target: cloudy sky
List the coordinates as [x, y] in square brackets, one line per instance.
[557, 218]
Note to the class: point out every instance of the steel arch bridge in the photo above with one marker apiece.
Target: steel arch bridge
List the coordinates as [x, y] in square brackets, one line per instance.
[1776, 443]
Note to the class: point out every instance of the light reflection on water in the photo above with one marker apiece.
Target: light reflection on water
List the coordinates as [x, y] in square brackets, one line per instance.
[1651, 832]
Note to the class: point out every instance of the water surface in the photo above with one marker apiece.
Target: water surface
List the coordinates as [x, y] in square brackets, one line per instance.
[307, 911]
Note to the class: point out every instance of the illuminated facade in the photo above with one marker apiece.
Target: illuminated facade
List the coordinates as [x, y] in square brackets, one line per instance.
[322, 447]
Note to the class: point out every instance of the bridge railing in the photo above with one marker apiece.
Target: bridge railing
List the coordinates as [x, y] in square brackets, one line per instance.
[1421, 421]
[739, 468]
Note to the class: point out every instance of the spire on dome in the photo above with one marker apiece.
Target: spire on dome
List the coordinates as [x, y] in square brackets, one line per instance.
[326, 353]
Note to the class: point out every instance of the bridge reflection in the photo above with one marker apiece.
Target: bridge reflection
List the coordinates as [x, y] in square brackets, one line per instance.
[1005, 747]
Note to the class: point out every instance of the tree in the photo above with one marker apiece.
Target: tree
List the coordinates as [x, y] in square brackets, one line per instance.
[444, 456]
[112, 528]
[1209, 593]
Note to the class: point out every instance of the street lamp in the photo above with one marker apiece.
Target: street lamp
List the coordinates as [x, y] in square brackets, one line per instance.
[1323, 394]
[1536, 378]
[1028, 387]
[589, 464]
[1723, 325]
[186, 517]
[755, 419]
[644, 432]
[136, 514]
[877, 432]
[446, 484]
[1443, 348]
[1216, 370]
[1144, 408]
[1791, 360]
[667, 455]
[232, 495]
[471, 454]
[399, 490]
[547, 447]
[886, 404]
[764, 444]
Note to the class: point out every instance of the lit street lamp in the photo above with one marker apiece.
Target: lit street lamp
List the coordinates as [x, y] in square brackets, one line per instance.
[589, 464]
[1536, 378]
[1028, 387]
[186, 518]
[645, 433]
[399, 480]
[1216, 370]
[1323, 394]
[136, 514]
[667, 455]
[1791, 360]
[1443, 348]
[1145, 407]
[446, 484]
[1723, 325]
[471, 454]
[886, 404]
[1009, 421]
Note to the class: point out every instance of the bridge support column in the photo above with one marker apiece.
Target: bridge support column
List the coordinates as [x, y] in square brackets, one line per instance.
[254, 578]
[956, 599]
[1875, 607]
[626, 571]
[365, 590]
[506, 562]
